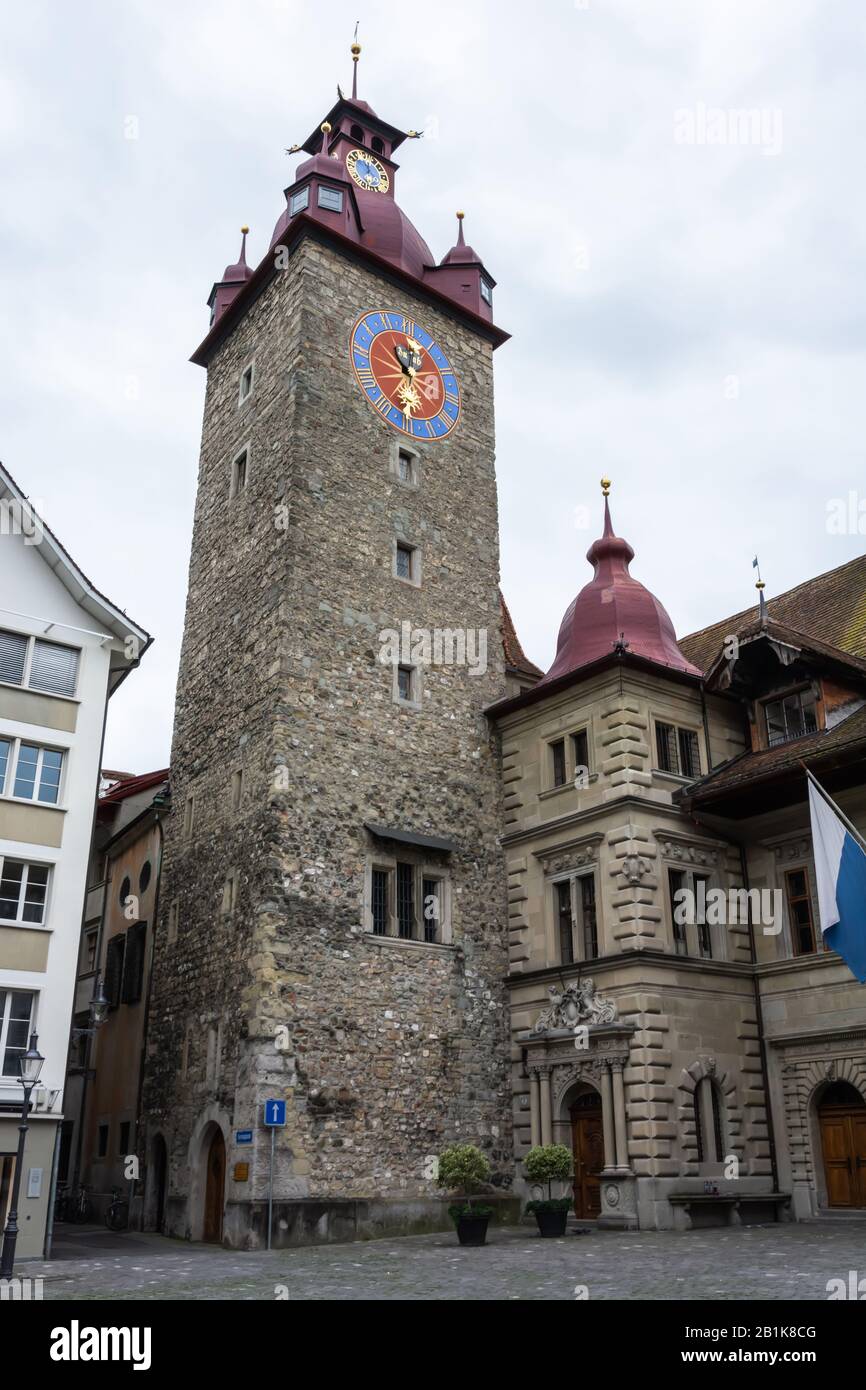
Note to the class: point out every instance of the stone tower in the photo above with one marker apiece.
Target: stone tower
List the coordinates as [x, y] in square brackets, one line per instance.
[333, 926]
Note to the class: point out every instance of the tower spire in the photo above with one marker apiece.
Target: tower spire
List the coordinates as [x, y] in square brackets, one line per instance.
[760, 586]
[356, 53]
[460, 240]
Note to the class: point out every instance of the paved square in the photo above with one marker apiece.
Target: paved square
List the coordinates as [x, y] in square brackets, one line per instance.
[786, 1261]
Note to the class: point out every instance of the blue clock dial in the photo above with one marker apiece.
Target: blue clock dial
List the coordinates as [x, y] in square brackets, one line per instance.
[405, 374]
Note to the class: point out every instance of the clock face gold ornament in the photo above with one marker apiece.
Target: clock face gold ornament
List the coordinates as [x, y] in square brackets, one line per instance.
[405, 374]
[367, 172]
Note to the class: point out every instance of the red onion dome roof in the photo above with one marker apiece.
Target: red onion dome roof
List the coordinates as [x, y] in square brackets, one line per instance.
[612, 608]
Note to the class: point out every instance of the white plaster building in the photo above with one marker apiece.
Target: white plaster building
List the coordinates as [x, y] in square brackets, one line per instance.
[64, 649]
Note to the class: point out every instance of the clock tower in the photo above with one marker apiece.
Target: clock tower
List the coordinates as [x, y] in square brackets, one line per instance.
[333, 920]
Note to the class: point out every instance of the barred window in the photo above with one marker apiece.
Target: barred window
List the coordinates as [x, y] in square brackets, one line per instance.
[379, 901]
[409, 901]
[405, 900]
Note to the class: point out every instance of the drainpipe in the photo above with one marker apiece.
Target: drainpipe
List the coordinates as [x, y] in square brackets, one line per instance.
[759, 1015]
[759, 1012]
[144, 1031]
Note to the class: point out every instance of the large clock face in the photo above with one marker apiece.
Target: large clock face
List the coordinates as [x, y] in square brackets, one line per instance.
[404, 374]
[367, 171]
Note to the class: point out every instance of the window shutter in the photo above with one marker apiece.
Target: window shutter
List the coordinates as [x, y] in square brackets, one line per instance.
[54, 668]
[13, 654]
[114, 969]
[133, 968]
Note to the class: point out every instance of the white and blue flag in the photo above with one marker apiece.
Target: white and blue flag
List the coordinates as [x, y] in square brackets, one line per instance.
[840, 870]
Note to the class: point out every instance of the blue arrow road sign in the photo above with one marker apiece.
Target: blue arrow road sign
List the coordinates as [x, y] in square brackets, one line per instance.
[275, 1113]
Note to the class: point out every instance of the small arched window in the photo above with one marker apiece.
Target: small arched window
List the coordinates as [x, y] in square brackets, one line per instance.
[378, 145]
[708, 1122]
[357, 134]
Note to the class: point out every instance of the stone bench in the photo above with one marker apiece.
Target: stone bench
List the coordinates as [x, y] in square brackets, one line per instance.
[731, 1208]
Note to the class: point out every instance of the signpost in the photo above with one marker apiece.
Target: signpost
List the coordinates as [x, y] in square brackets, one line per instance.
[274, 1118]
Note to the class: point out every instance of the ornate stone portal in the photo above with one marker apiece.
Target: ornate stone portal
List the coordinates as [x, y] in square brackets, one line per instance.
[580, 1040]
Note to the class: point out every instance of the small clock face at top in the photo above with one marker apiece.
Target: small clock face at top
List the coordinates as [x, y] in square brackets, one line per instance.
[367, 171]
[404, 374]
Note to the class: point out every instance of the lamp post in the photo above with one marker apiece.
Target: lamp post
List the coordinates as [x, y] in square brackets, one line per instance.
[30, 1066]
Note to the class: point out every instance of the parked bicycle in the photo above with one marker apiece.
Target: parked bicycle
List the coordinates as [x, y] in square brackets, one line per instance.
[117, 1213]
[61, 1202]
[82, 1212]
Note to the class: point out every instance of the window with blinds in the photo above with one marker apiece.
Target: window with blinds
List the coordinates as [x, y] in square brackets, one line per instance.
[13, 656]
[53, 668]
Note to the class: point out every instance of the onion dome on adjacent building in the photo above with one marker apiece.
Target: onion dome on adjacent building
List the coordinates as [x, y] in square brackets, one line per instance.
[615, 613]
[234, 278]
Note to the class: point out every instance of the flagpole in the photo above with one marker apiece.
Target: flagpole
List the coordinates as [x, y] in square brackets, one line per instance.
[832, 804]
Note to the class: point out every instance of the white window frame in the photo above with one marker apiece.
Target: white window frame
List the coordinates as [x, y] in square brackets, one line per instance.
[25, 879]
[4, 1021]
[488, 297]
[12, 771]
[249, 372]
[24, 683]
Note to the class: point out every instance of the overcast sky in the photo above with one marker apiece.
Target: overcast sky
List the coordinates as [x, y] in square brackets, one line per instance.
[687, 315]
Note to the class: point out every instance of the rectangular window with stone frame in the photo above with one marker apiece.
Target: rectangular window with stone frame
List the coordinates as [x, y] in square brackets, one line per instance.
[408, 900]
[576, 918]
[692, 932]
[677, 750]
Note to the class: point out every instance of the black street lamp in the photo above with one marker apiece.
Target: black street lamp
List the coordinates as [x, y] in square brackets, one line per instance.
[30, 1065]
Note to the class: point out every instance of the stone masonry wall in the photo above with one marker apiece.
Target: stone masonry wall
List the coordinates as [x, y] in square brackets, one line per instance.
[388, 1049]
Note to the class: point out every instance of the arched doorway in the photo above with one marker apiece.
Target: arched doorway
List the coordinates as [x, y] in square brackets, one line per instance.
[214, 1195]
[158, 1183]
[587, 1143]
[842, 1119]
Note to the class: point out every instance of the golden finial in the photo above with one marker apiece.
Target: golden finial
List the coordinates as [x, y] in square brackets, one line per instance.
[460, 216]
[244, 230]
[605, 486]
[356, 52]
[759, 584]
[325, 127]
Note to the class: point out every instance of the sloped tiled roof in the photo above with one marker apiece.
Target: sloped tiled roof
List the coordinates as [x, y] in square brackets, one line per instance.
[770, 762]
[830, 608]
[130, 786]
[515, 657]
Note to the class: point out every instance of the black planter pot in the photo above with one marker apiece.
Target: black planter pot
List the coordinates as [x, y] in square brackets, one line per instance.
[472, 1230]
[552, 1223]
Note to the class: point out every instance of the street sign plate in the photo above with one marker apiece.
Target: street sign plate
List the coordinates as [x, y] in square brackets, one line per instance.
[243, 1136]
[275, 1113]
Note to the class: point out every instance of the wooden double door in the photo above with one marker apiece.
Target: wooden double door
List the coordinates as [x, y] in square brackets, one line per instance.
[587, 1142]
[842, 1116]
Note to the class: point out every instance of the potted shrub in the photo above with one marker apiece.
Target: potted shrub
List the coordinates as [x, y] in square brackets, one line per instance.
[462, 1168]
[549, 1163]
